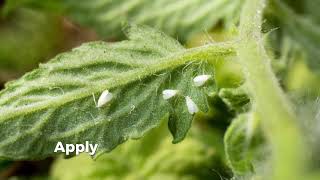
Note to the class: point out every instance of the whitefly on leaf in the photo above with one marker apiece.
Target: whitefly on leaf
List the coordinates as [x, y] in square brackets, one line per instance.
[192, 107]
[201, 80]
[169, 93]
[104, 98]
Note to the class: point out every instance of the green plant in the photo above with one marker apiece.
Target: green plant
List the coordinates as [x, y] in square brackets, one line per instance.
[151, 78]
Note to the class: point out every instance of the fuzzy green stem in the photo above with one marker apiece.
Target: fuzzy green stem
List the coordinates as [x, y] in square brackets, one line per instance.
[278, 119]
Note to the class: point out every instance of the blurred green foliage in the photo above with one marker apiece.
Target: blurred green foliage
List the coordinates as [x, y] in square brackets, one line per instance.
[199, 156]
[180, 18]
[27, 37]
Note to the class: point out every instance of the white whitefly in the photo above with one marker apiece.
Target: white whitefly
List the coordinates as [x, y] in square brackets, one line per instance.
[104, 98]
[169, 93]
[200, 80]
[192, 107]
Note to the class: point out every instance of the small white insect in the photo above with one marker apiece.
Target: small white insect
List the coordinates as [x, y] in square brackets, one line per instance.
[169, 93]
[104, 98]
[201, 79]
[192, 107]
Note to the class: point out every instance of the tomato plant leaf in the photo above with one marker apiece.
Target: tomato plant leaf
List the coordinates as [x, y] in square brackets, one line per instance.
[244, 144]
[56, 102]
[236, 98]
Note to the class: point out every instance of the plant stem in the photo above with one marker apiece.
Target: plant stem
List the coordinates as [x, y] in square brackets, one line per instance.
[278, 119]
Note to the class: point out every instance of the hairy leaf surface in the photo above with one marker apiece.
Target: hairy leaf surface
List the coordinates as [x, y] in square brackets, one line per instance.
[243, 144]
[237, 98]
[57, 101]
[181, 18]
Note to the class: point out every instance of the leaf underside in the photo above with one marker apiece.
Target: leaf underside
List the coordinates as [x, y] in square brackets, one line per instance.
[56, 102]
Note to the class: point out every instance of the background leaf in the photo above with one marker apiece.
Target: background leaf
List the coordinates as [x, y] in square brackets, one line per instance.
[303, 30]
[244, 146]
[181, 18]
[237, 99]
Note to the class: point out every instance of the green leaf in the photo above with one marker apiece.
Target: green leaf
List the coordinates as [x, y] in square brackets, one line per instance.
[237, 98]
[56, 102]
[243, 143]
[181, 18]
